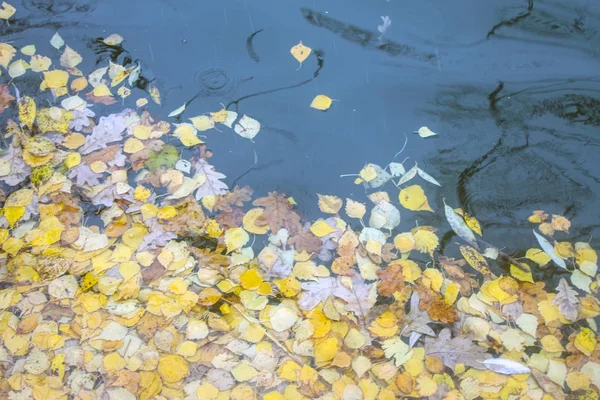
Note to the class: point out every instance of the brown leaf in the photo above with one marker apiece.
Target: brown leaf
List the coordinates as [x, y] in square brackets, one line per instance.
[231, 220]
[236, 197]
[454, 272]
[435, 305]
[305, 240]
[548, 385]
[278, 213]
[153, 272]
[343, 266]
[104, 155]
[5, 97]
[391, 280]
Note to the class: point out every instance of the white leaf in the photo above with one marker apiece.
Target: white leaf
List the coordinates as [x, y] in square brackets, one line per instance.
[384, 215]
[459, 226]
[134, 75]
[178, 111]
[506, 367]
[183, 166]
[231, 117]
[549, 249]
[57, 42]
[247, 127]
[396, 169]
[411, 173]
[425, 132]
[427, 177]
[385, 24]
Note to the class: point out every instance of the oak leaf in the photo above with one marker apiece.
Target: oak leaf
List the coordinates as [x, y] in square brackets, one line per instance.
[390, 280]
[278, 213]
[5, 97]
[458, 350]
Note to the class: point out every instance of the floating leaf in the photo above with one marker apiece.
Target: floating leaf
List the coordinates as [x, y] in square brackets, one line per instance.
[566, 300]
[413, 198]
[425, 132]
[321, 102]
[247, 127]
[427, 177]
[7, 11]
[549, 249]
[330, 204]
[300, 52]
[177, 111]
[354, 209]
[459, 226]
[57, 41]
[475, 259]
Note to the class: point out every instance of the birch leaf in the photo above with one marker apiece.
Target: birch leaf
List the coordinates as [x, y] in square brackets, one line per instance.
[247, 127]
[396, 169]
[549, 249]
[321, 102]
[459, 226]
[425, 132]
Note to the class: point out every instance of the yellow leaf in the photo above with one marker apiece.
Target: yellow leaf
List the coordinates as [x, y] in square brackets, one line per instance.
[326, 350]
[404, 242]
[7, 11]
[78, 84]
[235, 239]
[413, 198]
[167, 212]
[134, 236]
[538, 256]
[520, 273]
[321, 102]
[72, 160]
[585, 341]
[289, 287]
[425, 240]
[203, 122]
[13, 214]
[133, 145]
[207, 391]
[172, 368]
[249, 222]
[142, 132]
[58, 366]
[155, 94]
[101, 91]
[40, 63]
[251, 279]
[219, 116]
[475, 259]
[113, 362]
[187, 135]
[28, 50]
[289, 371]
[551, 344]
[470, 221]
[7, 52]
[368, 173]
[330, 204]
[21, 197]
[321, 229]
[56, 79]
[300, 52]
[354, 209]
[113, 39]
[27, 111]
[141, 102]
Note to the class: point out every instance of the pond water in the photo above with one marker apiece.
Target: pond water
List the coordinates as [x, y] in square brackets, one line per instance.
[511, 87]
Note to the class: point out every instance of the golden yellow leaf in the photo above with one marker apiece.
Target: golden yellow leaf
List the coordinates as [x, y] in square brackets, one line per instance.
[249, 222]
[585, 341]
[134, 236]
[187, 134]
[7, 52]
[57, 367]
[404, 242]
[56, 79]
[551, 344]
[538, 256]
[13, 214]
[475, 259]
[413, 198]
[101, 91]
[321, 229]
[172, 368]
[523, 274]
[219, 116]
[321, 102]
[425, 240]
[330, 204]
[79, 84]
[300, 52]
[325, 350]
[251, 279]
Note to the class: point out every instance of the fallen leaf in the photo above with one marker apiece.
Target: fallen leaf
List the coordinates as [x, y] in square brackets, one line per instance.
[425, 132]
[247, 127]
[300, 52]
[458, 350]
[413, 198]
[321, 102]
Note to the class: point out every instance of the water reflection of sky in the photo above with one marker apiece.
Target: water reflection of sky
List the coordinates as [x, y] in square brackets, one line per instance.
[503, 150]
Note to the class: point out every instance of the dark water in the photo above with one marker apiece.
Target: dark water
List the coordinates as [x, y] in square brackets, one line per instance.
[511, 86]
